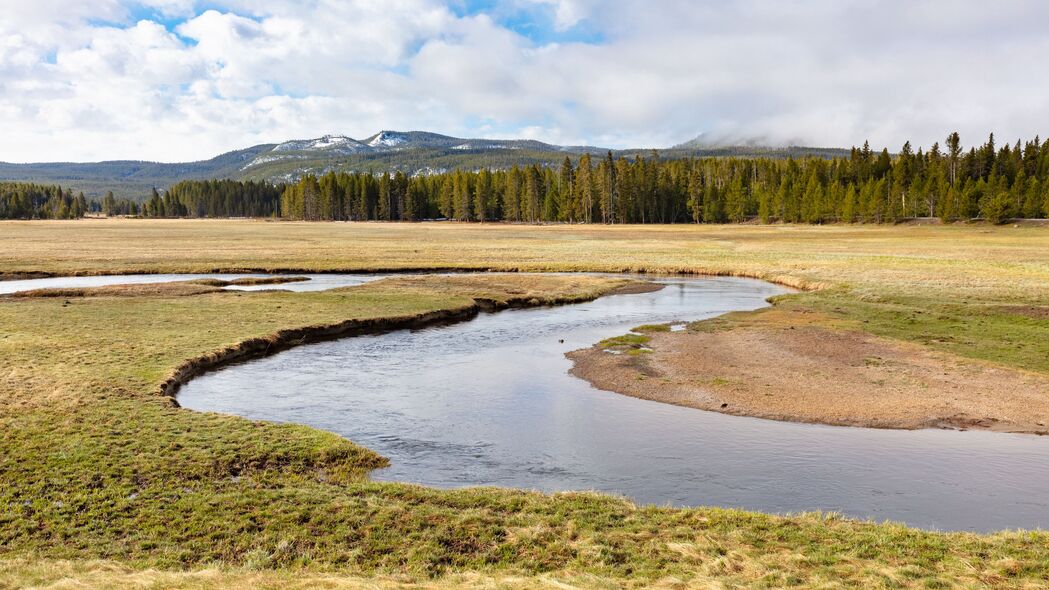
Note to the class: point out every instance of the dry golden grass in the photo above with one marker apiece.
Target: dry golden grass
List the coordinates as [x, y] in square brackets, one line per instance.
[178, 289]
[111, 575]
[954, 288]
[959, 261]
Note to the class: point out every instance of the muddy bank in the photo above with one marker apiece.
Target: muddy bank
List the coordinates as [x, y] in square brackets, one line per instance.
[249, 281]
[821, 375]
[636, 288]
[24, 276]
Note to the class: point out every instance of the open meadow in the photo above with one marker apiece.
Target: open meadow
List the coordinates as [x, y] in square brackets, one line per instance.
[107, 482]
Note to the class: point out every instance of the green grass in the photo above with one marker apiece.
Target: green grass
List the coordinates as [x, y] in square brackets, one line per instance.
[986, 329]
[653, 328]
[96, 465]
[631, 344]
[626, 340]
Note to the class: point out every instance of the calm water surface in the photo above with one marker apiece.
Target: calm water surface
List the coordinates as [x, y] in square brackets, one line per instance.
[317, 282]
[490, 402]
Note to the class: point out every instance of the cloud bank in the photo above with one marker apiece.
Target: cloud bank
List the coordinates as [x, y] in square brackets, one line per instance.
[181, 80]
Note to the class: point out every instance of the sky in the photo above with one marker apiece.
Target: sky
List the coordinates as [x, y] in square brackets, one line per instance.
[180, 80]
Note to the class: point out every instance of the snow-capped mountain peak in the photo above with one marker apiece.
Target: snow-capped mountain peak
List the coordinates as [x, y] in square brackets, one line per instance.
[334, 150]
[329, 143]
[387, 139]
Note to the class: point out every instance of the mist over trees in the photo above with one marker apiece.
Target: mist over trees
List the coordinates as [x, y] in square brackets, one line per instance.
[952, 183]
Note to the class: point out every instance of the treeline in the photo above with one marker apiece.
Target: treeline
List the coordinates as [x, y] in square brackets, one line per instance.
[215, 198]
[35, 201]
[986, 181]
[872, 187]
[111, 206]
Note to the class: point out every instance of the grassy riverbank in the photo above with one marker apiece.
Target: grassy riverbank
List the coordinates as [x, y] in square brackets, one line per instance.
[96, 465]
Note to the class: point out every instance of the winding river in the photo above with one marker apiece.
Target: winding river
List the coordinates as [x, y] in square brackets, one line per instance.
[490, 402]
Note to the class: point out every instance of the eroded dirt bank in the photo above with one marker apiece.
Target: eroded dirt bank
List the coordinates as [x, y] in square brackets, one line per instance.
[819, 374]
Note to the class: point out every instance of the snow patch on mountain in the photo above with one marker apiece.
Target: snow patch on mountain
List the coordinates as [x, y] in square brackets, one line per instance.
[387, 139]
[484, 146]
[334, 149]
[329, 143]
[266, 158]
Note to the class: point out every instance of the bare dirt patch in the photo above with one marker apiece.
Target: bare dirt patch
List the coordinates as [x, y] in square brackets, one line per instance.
[812, 373]
[1038, 312]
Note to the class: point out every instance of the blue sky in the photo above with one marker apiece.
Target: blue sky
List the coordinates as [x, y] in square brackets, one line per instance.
[185, 79]
[534, 21]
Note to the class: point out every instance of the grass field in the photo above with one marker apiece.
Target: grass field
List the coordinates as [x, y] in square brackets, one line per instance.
[103, 477]
[975, 290]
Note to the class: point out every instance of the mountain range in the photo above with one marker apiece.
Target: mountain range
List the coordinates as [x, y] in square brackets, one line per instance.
[412, 152]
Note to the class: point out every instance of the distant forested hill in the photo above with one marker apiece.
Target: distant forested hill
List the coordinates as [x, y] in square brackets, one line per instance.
[128, 178]
[411, 152]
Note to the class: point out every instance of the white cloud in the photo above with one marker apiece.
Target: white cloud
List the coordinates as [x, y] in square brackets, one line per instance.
[84, 80]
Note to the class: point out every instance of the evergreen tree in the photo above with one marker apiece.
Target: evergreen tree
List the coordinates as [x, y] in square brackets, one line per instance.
[462, 197]
[848, 209]
[109, 204]
[609, 189]
[954, 150]
[551, 197]
[997, 208]
[734, 201]
[311, 198]
[584, 189]
[512, 195]
[530, 196]
[484, 196]
[447, 199]
[383, 211]
[1032, 202]
[565, 188]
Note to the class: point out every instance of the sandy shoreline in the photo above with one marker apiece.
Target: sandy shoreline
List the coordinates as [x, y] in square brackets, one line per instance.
[816, 374]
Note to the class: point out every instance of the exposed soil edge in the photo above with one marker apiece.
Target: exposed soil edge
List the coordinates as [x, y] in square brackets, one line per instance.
[284, 339]
[247, 281]
[26, 276]
[636, 288]
[613, 373]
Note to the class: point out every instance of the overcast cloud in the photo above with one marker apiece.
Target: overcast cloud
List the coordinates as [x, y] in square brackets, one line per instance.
[181, 80]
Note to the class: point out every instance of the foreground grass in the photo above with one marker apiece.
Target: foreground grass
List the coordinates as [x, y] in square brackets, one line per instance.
[95, 465]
